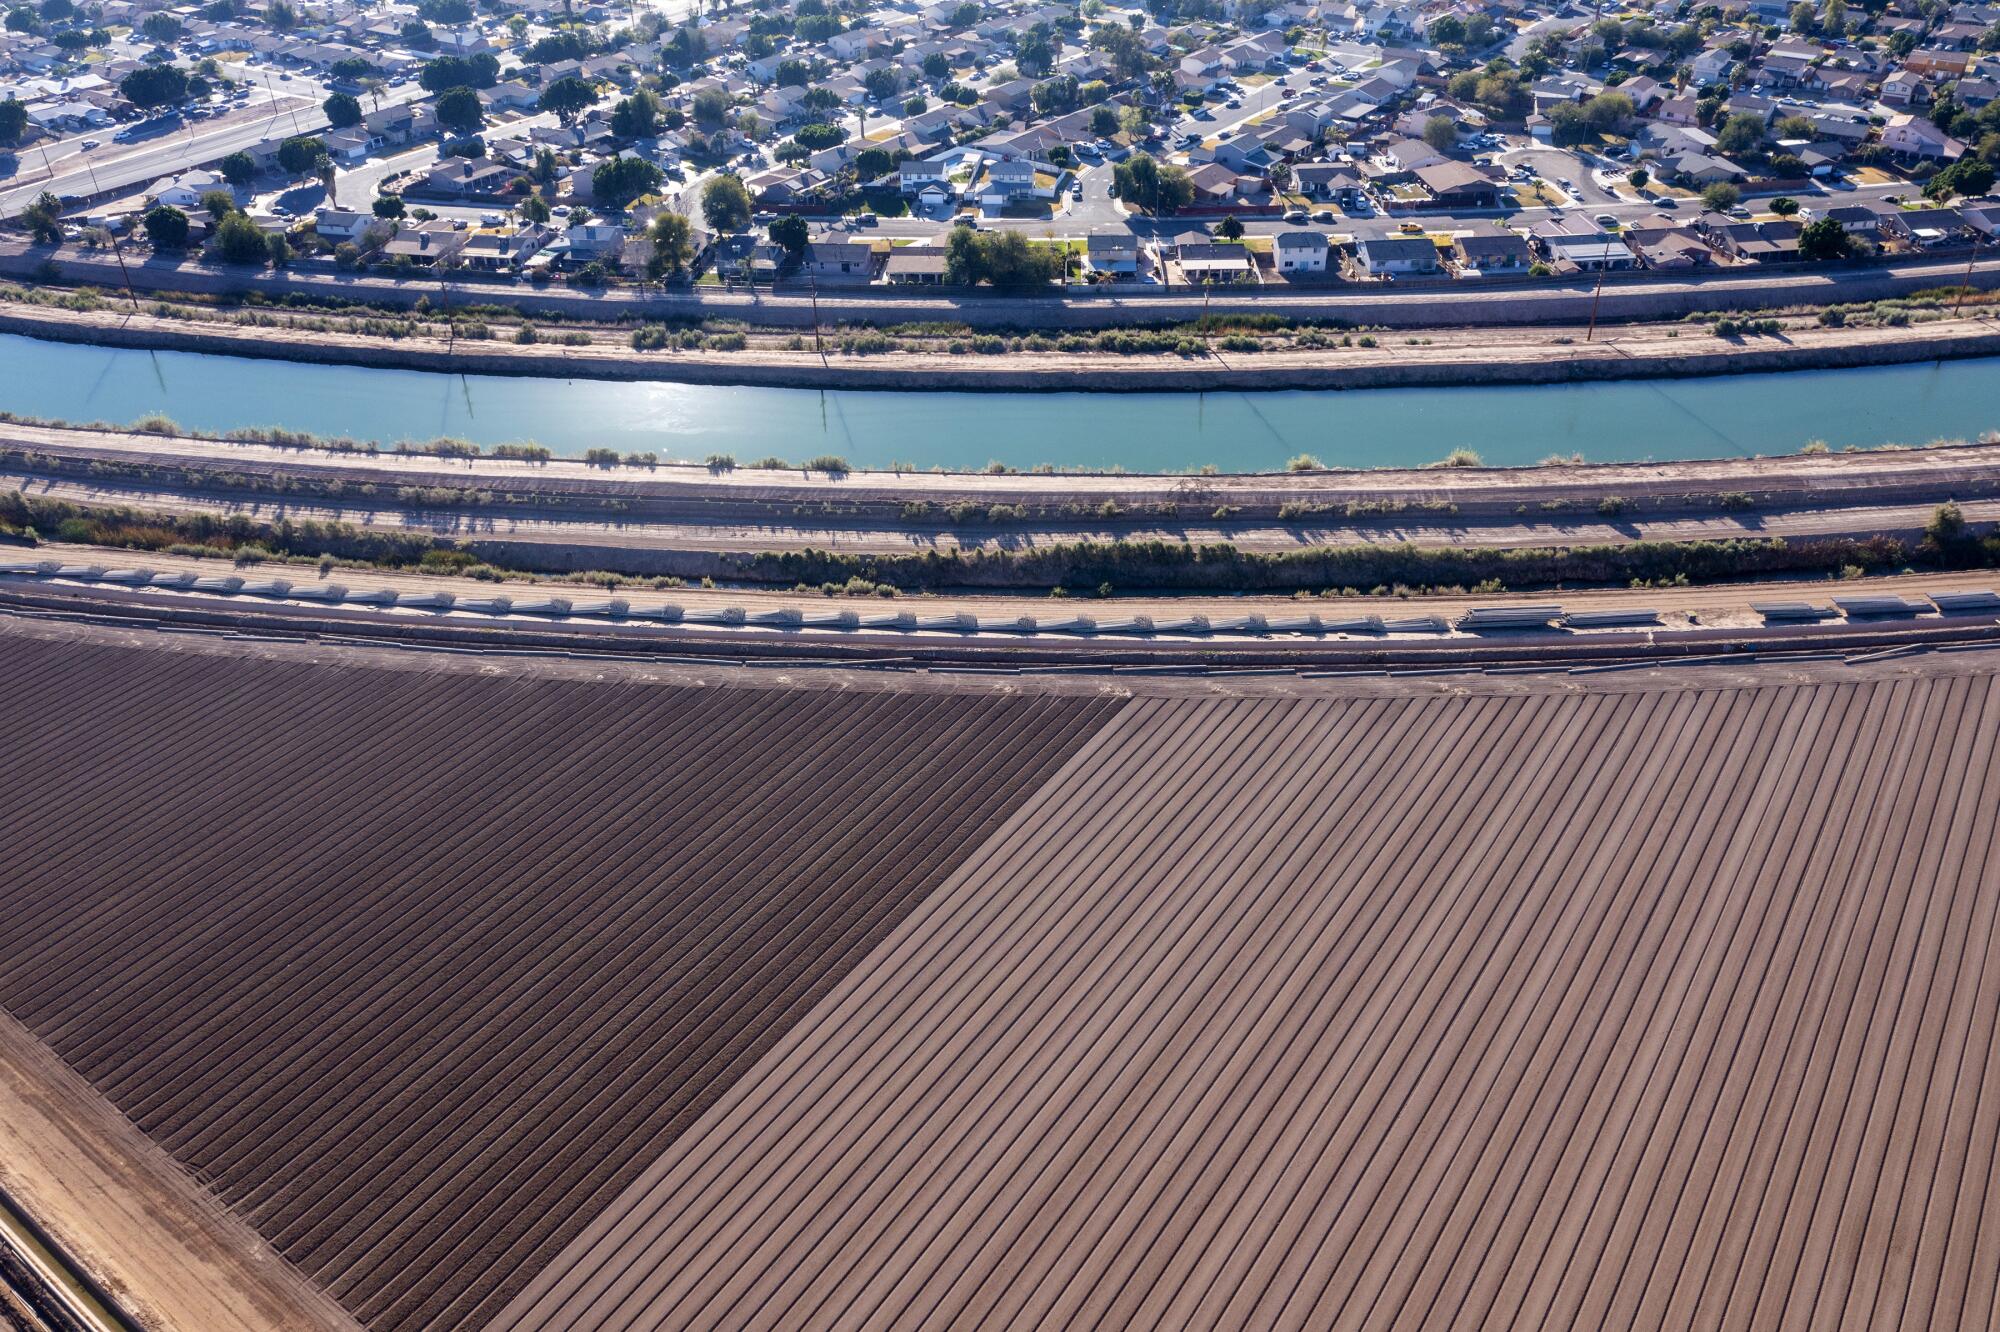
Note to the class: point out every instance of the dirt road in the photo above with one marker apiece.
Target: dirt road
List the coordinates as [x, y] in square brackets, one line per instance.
[119, 1207]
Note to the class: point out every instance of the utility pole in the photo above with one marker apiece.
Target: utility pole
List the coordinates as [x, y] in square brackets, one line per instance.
[1596, 296]
[117, 250]
[819, 344]
[1965, 285]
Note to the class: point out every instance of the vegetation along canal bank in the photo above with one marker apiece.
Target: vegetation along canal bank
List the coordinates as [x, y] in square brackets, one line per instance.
[1267, 350]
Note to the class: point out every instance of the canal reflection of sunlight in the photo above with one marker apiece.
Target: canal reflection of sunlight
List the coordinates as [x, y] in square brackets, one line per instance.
[1236, 431]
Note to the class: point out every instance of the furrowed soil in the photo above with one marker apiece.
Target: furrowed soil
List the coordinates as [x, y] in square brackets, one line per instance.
[417, 969]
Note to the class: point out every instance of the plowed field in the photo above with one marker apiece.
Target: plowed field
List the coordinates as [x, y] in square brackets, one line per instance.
[1640, 1009]
[417, 970]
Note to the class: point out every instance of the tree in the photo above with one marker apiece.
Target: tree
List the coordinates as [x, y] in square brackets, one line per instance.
[883, 83]
[238, 241]
[1741, 133]
[43, 219]
[1104, 120]
[162, 28]
[1824, 238]
[726, 203]
[1784, 207]
[1230, 228]
[280, 15]
[166, 228]
[711, 108]
[416, 35]
[301, 154]
[820, 135]
[459, 109]
[791, 232]
[1441, 133]
[218, 204]
[1141, 181]
[388, 207]
[937, 66]
[450, 71]
[13, 120]
[239, 168]
[1005, 259]
[568, 98]
[637, 116]
[1638, 178]
[154, 85]
[1970, 176]
[619, 180]
[1721, 197]
[673, 246]
[341, 110]
[793, 74]
[533, 209]
[1607, 111]
[1947, 533]
[1056, 96]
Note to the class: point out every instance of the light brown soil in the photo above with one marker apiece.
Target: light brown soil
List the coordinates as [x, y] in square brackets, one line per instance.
[142, 1228]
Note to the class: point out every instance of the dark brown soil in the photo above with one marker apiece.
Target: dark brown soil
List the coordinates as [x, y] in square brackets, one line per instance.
[418, 970]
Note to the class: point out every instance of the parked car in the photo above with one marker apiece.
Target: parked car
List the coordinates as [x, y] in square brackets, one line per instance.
[1323, 215]
[1295, 215]
[1606, 220]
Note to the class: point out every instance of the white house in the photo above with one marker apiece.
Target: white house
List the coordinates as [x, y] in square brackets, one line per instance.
[185, 190]
[1914, 136]
[344, 224]
[1300, 251]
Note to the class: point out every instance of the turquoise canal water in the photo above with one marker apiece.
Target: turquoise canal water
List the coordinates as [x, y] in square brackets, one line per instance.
[1638, 419]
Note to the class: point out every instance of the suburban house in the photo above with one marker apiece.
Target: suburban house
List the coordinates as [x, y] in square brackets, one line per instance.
[1914, 136]
[185, 190]
[423, 243]
[1456, 185]
[503, 251]
[1501, 252]
[1111, 252]
[1759, 242]
[1300, 251]
[344, 224]
[467, 177]
[913, 175]
[1589, 252]
[1671, 249]
[1386, 256]
[1214, 263]
[834, 259]
[915, 265]
[1335, 182]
